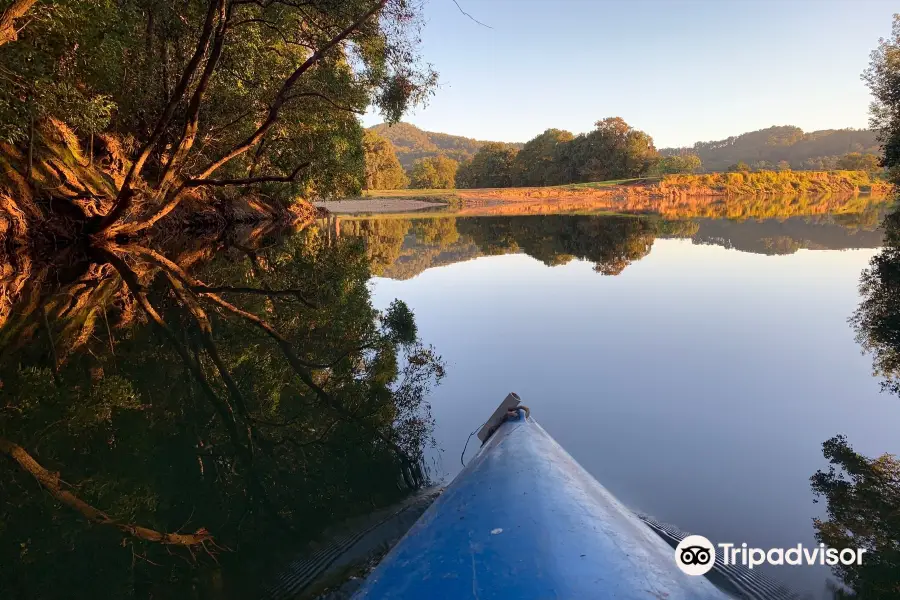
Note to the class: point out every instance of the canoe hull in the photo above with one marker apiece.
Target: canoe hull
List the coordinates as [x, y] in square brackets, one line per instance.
[525, 520]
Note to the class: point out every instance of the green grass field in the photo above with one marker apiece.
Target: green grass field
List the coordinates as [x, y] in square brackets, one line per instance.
[594, 185]
[445, 195]
[410, 194]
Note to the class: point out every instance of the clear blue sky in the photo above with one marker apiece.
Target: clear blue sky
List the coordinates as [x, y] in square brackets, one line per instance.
[681, 70]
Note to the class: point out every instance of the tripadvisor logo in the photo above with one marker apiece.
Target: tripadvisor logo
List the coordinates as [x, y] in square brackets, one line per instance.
[696, 555]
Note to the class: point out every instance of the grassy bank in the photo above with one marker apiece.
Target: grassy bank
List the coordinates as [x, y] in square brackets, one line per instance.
[759, 183]
[762, 194]
[772, 183]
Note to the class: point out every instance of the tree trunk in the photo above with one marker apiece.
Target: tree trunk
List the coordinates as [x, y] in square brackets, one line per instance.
[8, 18]
[30, 137]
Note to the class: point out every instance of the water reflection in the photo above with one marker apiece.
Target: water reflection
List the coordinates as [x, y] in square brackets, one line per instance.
[693, 350]
[243, 392]
[164, 413]
[403, 248]
[862, 494]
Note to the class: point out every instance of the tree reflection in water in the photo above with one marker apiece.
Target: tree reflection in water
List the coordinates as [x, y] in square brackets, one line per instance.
[168, 419]
[862, 494]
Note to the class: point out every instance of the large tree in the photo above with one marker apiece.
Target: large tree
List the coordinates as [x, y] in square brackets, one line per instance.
[883, 79]
[613, 150]
[536, 164]
[434, 172]
[680, 163]
[491, 167]
[857, 161]
[188, 100]
[383, 170]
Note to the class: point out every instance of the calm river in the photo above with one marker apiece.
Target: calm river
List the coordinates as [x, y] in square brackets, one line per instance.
[695, 378]
[246, 391]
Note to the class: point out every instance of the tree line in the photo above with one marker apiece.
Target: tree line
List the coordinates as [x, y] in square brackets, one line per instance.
[784, 147]
[613, 150]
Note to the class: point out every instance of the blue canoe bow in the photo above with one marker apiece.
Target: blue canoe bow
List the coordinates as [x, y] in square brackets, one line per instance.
[523, 520]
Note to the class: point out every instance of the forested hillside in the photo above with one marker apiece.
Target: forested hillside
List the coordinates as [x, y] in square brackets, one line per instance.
[412, 143]
[766, 148]
[615, 150]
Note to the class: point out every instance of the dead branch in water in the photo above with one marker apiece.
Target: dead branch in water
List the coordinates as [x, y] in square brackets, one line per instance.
[51, 482]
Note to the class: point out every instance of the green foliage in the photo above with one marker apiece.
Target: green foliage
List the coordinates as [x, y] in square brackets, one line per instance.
[739, 167]
[877, 319]
[111, 68]
[856, 161]
[862, 496]
[400, 322]
[679, 164]
[491, 167]
[611, 243]
[741, 181]
[383, 170]
[435, 172]
[441, 232]
[614, 150]
[536, 163]
[134, 432]
[883, 78]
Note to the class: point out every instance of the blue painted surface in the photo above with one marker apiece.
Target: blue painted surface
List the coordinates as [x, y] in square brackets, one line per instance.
[523, 520]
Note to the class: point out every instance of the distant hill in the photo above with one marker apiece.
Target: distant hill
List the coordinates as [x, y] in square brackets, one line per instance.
[413, 143]
[815, 150]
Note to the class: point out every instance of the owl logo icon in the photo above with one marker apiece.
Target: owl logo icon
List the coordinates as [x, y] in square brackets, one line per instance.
[695, 555]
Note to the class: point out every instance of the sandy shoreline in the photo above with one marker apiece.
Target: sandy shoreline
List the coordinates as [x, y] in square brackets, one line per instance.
[376, 205]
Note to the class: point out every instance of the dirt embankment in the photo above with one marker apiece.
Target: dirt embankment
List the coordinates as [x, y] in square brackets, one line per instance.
[710, 185]
[764, 194]
[376, 205]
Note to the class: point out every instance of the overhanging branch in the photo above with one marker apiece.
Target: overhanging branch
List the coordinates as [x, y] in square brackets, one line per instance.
[328, 100]
[191, 183]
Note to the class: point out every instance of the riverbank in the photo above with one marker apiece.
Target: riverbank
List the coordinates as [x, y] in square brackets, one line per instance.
[709, 185]
[765, 194]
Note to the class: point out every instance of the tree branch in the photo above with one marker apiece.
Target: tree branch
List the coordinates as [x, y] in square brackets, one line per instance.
[328, 100]
[126, 194]
[205, 289]
[173, 198]
[51, 482]
[191, 124]
[192, 183]
[299, 366]
[8, 31]
[470, 16]
[287, 86]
